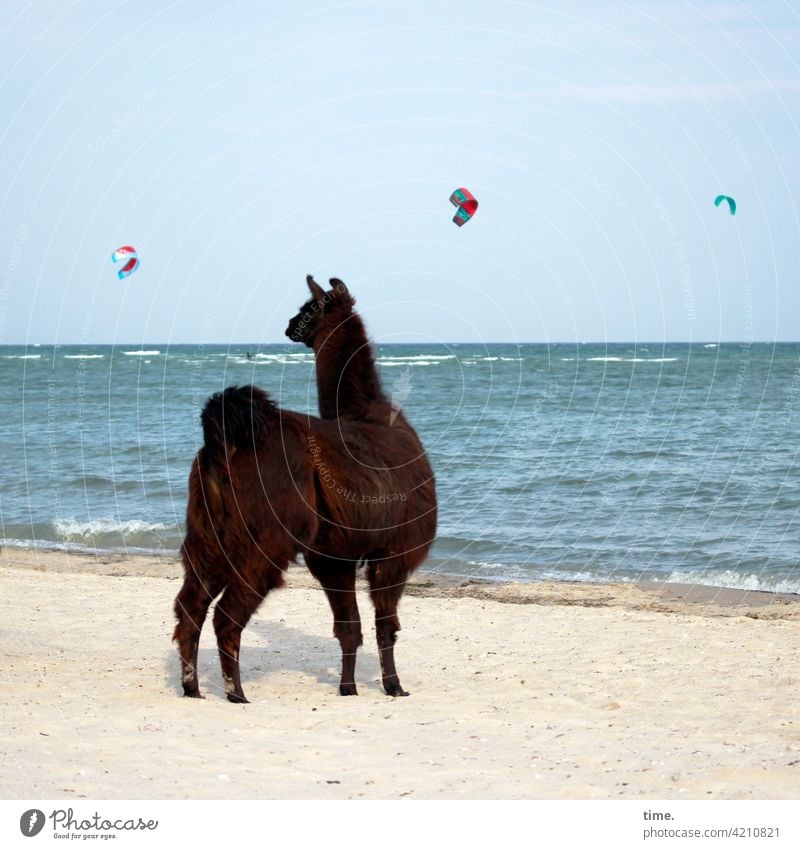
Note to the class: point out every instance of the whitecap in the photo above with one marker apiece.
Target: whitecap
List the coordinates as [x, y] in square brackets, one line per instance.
[76, 547]
[406, 365]
[71, 528]
[651, 359]
[736, 581]
[303, 355]
[412, 357]
[254, 361]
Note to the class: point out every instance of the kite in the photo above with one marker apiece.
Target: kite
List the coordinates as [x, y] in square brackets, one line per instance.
[731, 202]
[466, 203]
[129, 253]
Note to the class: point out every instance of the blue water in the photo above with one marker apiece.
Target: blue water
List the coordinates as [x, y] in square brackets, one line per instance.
[589, 462]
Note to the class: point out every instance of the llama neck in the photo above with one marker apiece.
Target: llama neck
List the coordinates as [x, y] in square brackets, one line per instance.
[347, 379]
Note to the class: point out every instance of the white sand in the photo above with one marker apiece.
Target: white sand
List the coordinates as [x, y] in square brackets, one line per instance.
[591, 692]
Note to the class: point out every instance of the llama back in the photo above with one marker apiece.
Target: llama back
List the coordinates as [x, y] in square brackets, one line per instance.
[244, 454]
[239, 417]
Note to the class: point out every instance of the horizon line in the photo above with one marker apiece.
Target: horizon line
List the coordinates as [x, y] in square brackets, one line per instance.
[460, 342]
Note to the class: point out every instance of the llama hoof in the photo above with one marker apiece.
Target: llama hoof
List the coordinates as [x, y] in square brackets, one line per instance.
[192, 694]
[348, 690]
[238, 699]
[395, 690]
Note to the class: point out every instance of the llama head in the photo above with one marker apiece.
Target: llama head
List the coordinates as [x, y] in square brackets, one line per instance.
[324, 310]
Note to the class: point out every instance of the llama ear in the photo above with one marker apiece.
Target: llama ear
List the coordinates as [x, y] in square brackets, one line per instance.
[339, 286]
[316, 290]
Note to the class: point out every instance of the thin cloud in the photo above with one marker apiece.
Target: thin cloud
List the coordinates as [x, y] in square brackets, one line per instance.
[686, 91]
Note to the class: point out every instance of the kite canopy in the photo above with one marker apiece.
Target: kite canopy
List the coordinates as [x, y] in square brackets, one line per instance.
[731, 202]
[126, 253]
[466, 203]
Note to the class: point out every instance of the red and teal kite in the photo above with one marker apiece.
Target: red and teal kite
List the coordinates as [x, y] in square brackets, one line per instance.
[466, 203]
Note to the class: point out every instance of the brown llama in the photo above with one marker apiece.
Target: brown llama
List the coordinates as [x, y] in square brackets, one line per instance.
[271, 484]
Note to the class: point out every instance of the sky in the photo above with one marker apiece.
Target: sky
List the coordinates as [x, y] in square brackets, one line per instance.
[240, 145]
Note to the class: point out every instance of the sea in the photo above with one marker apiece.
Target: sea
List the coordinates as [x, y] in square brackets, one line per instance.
[588, 462]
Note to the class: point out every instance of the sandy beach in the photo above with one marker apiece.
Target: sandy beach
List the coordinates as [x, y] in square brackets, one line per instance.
[540, 691]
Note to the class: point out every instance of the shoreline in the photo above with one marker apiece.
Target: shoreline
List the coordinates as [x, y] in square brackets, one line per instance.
[663, 597]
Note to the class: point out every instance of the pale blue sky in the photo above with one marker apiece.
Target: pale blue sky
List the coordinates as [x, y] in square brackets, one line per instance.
[241, 145]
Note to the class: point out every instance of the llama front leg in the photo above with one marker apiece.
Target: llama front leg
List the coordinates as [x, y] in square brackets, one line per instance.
[338, 579]
[387, 580]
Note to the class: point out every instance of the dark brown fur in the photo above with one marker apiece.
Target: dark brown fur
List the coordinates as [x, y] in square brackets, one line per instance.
[270, 484]
[348, 385]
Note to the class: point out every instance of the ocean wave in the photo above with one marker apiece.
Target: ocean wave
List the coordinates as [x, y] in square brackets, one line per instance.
[84, 356]
[70, 528]
[729, 579]
[631, 360]
[412, 357]
[498, 571]
[650, 359]
[407, 365]
[78, 548]
[22, 356]
[458, 567]
[253, 361]
[493, 360]
[585, 576]
[526, 573]
[140, 353]
[302, 355]
[504, 572]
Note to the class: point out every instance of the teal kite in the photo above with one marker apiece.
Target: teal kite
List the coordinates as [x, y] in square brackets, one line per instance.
[731, 202]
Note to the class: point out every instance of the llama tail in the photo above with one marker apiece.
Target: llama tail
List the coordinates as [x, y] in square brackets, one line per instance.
[238, 418]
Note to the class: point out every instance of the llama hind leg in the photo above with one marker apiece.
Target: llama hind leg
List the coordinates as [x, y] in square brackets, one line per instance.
[387, 580]
[338, 579]
[191, 607]
[233, 611]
